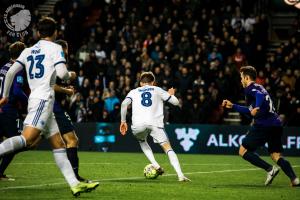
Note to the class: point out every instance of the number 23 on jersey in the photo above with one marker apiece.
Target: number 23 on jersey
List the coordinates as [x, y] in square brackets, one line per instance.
[36, 68]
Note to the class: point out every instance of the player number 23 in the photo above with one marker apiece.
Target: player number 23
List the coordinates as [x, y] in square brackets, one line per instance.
[36, 62]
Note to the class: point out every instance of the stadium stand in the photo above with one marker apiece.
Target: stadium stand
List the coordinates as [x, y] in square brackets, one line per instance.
[190, 45]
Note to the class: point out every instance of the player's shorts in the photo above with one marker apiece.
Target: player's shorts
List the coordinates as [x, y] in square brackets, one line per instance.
[40, 115]
[142, 131]
[64, 122]
[8, 125]
[259, 136]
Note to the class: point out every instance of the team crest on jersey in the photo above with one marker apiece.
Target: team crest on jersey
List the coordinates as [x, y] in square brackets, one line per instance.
[189, 135]
[42, 123]
[17, 19]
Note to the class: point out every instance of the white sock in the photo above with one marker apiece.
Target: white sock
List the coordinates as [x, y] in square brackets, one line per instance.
[175, 163]
[12, 144]
[65, 167]
[149, 154]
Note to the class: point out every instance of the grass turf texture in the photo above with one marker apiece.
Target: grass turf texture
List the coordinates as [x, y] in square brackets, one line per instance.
[121, 177]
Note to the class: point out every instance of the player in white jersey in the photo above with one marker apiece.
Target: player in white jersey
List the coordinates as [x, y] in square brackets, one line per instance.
[147, 118]
[43, 62]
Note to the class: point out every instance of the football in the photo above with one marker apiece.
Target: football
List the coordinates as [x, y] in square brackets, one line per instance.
[150, 172]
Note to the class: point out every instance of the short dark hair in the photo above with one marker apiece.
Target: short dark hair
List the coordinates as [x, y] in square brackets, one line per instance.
[147, 77]
[249, 71]
[46, 27]
[62, 43]
[16, 49]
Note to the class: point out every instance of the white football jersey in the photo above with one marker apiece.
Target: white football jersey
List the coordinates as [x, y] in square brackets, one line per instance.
[148, 105]
[40, 61]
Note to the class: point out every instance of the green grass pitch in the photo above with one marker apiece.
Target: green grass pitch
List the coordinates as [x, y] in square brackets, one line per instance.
[121, 177]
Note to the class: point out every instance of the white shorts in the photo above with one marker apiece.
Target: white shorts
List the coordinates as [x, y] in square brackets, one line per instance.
[40, 115]
[142, 131]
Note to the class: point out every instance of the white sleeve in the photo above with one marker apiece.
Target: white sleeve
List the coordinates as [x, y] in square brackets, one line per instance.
[166, 97]
[62, 72]
[126, 102]
[173, 100]
[59, 60]
[22, 58]
[58, 56]
[10, 75]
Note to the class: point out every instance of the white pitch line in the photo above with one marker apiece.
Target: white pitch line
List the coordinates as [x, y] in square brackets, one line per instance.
[107, 163]
[135, 178]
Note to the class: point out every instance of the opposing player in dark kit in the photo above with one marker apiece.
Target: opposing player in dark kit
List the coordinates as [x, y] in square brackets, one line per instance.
[63, 120]
[266, 128]
[9, 112]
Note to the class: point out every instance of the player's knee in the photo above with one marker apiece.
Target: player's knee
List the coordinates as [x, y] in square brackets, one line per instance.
[72, 143]
[71, 140]
[275, 156]
[58, 144]
[56, 141]
[166, 147]
[242, 151]
[30, 143]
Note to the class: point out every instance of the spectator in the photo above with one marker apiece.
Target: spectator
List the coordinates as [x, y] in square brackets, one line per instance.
[187, 48]
[110, 100]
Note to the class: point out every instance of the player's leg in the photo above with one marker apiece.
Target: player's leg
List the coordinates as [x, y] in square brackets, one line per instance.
[61, 159]
[16, 143]
[159, 136]
[275, 150]
[254, 139]
[71, 141]
[66, 129]
[8, 129]
[6, 160]
[34, 123]
[141, 134]
[148, 153]
[286, 167]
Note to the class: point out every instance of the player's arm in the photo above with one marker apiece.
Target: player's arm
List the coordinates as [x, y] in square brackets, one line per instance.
[123, 126]
[259, 98]
[13, 70]
[18, 90]
[63, 73]
[169, 96]
[60, 65]
[64, 90]
[241, 109]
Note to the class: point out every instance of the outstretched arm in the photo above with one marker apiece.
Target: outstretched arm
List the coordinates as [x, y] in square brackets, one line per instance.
[13, 70]
[62, 72]
[241, 109]
[124, 106]
[172, 99]
[64, 90]
[169, 96]
[18, 91]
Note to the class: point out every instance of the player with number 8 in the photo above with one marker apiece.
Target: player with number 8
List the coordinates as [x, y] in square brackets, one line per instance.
[147, 118]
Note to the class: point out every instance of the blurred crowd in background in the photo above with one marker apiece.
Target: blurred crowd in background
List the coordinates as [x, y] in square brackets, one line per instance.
[190, 45]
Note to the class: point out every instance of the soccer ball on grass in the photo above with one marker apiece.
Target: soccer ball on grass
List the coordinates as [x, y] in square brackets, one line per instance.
[150, 172]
